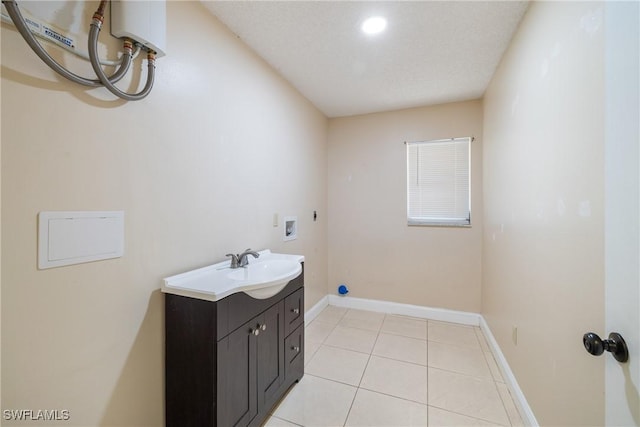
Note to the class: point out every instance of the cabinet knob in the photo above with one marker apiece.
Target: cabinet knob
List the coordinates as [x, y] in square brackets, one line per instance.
[295, 310]
[255, 332]
[264, 327]
[295, 348]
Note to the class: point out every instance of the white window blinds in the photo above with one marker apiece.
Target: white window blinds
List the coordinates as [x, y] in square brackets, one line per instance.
[438, 185]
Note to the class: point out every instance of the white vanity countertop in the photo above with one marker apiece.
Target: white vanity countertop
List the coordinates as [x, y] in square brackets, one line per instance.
[263, 276]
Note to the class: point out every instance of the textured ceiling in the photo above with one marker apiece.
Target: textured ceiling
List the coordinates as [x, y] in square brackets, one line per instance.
[432, 52]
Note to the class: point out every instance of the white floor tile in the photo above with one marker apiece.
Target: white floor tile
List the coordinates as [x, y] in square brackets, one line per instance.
[318, 331]
[372, 409]
[354, 339]
[310, 348]
[372, 316]
[316, 402]
[462, 394]
[399, 325]
[337, 364]
[331, 314]
[401, 348]
[441, 418]
[401, 365]
[464, 360]
[400, 379]
[450, 333]
[361, 319]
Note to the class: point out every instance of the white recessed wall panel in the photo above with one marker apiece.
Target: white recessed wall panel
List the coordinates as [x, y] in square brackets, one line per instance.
[66, 238]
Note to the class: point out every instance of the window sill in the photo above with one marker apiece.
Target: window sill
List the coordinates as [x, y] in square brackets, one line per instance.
[414, 223]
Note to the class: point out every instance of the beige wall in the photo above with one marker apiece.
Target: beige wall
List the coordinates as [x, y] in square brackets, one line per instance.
[543, 193]
[371, 248]
[0, 242]
[199, 167]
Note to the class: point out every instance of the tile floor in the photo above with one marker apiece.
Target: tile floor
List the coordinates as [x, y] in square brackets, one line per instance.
[372, 369]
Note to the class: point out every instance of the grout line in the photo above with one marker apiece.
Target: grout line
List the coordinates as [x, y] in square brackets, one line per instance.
[284, 419]
[388, 358]
[348, 349]
[460, 346]
[486, 362]
[492, 362]
[362, 376]
[323, 340]
[391, 395]
[504, 406]
[470, 416]
[463, 374]
[450, 323]
[368, 360]
[333, 328]
[351, 407]
[330, 379]
[401, 361]
[355, 327]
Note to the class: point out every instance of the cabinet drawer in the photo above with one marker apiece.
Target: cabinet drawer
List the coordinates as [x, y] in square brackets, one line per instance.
[294, 355]
[293, 311]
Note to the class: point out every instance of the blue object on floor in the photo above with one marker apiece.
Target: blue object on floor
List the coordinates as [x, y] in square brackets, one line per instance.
[343, 290]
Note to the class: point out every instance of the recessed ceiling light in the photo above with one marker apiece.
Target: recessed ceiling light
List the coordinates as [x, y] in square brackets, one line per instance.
[374, 25]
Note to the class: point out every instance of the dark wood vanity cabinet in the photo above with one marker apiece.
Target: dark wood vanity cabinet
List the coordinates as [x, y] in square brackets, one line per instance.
[229, 361]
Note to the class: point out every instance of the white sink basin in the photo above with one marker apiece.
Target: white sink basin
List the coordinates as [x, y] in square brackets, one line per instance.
[262, 278]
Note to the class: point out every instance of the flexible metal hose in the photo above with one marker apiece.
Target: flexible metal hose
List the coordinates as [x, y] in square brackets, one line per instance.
[19, 22]
[94, 31]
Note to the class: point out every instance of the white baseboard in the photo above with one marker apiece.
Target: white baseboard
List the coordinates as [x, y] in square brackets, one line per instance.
[461, 317]
[313, 312]
[453, 316]
[521, 402]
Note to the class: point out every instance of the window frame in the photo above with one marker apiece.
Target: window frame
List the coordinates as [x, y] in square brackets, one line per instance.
[435, 221]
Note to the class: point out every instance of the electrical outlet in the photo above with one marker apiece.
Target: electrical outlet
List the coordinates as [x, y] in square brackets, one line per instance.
[514, 335]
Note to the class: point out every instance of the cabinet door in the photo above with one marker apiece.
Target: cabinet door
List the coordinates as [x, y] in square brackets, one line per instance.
[237, 391]
[270, 355]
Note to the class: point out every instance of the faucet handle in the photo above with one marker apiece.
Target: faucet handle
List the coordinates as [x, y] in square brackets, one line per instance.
[234, 260]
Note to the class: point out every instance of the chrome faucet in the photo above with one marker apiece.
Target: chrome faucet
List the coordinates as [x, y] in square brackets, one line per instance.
[240, 260]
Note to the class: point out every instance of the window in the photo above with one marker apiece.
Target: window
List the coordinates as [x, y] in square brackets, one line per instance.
[438, 184]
